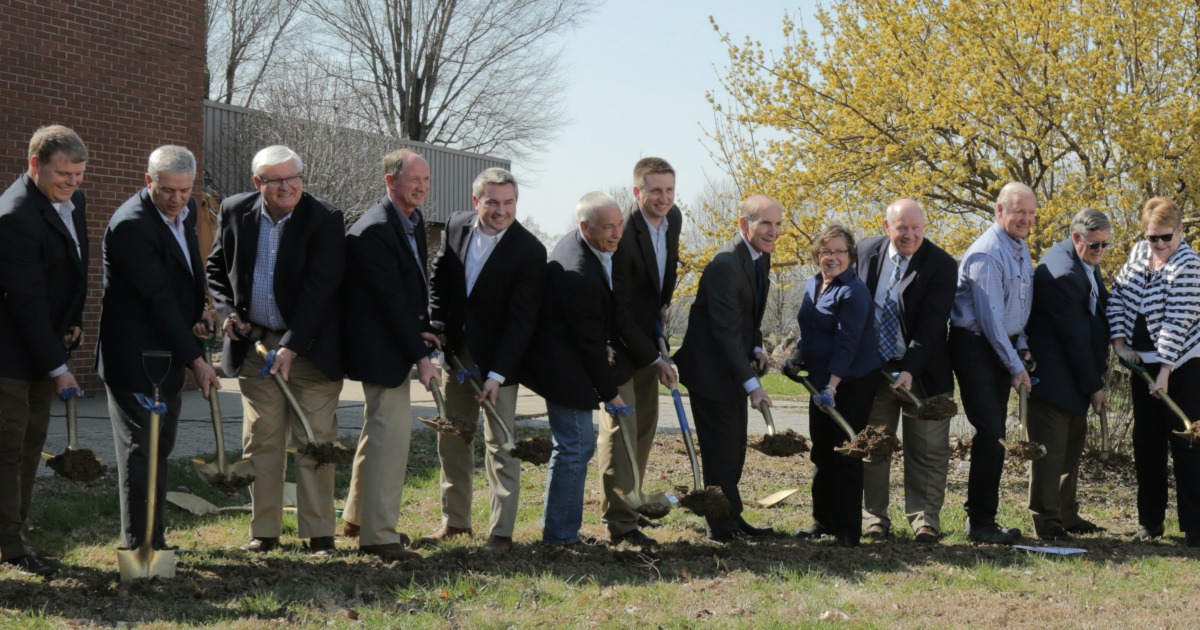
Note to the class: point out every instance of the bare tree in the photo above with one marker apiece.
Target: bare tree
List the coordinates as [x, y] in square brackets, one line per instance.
[244, 39]
[476, 75]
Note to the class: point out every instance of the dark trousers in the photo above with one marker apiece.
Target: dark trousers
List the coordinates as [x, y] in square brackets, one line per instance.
[721, 430]
[1054, 479]
[131, 432]
[24, 420]
[1153, 423]
[837, 485]
[984, 385]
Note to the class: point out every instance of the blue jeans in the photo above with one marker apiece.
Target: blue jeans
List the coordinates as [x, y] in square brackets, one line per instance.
[574, 443]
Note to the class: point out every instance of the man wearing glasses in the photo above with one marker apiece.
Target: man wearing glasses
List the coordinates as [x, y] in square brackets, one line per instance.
[274, 273]
[1069, 330]
[989, 351]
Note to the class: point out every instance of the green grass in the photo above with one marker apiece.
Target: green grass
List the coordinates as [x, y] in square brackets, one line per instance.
[777, 386]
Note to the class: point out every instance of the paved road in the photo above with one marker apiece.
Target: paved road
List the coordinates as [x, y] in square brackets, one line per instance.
[196, 435]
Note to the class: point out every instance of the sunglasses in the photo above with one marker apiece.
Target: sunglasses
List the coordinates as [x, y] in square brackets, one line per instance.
[1096, 245]
[1166, 238]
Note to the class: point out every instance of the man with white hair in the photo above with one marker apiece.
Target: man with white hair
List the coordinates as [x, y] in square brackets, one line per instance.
[575, 361]
[154, 296]
[989, 350]
[275, 273]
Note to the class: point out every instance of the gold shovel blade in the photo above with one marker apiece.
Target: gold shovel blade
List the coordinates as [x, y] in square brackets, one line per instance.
[774, 499]
[145, 563]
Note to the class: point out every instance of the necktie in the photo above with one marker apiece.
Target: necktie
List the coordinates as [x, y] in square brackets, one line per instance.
[760, 288]
[889, 320]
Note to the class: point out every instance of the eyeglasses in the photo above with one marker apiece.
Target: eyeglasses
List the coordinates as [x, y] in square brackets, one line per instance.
[293, 181]
[1095, 245]
[830, 253]
[1166, 238]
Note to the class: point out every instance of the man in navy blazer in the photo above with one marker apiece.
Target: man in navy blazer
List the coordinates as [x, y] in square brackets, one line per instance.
[576, 360]
[154, 299]
[721, 355]
[1068, 333]
[274, 273]
[485, 294]
[387, 332]
[916, 280]
[43, 283]
[644, 272]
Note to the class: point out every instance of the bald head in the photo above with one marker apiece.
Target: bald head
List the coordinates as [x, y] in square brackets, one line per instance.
[904, 223]
[1016, 210]
[761, 222]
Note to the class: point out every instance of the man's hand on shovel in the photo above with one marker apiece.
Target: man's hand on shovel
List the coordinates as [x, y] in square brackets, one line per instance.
[427, 373]
[206, 377]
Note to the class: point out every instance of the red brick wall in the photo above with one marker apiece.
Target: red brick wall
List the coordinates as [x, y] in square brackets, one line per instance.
[127, 75]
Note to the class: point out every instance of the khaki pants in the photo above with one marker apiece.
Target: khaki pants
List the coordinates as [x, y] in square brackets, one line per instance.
[641, 391]
[268, 425]
[377, 480]
[24, 421]
[458, 458]
[1054, 478]
[926, 463]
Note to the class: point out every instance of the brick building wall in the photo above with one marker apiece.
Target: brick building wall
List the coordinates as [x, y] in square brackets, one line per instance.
[127, 75]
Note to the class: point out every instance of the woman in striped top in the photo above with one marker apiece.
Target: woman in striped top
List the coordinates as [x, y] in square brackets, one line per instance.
[1154, 314]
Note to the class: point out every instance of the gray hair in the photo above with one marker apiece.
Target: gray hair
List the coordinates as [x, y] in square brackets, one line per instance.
[495, 176]
[592, 203]
[1010, 190]
[1088, 220]
[170, 158]
[394, 162]
[755, 204]
[272, 155]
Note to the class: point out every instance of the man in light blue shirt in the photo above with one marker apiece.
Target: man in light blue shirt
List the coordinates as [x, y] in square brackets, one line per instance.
[988, 348]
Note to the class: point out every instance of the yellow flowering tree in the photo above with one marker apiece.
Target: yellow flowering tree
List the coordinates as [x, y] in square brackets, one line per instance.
[1091, 102]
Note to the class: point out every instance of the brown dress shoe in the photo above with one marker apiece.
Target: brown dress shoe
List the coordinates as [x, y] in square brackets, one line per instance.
[389, 552]
[499, 544]
[29, 564]
[349, 530]
[261, 544]
[445, 533]
[321, 546]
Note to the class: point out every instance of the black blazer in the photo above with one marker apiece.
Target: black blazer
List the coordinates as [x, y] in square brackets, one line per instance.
[926, 296]
[43, 280]
[635, 283]
[567, 362]
[386, 298]
[152, 295]
[723, 327]
[498, 319]
[1069, 343]
[308, 276]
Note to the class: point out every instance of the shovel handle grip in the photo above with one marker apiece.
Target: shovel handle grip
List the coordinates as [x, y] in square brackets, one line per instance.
[903, 390]
[1103, 413]
[262, 351]
[488, 408]
[765, 410]
[833, 413]
[1162, 395]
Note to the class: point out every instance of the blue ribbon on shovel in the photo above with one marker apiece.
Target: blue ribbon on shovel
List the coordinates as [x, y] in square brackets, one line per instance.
[148, 402]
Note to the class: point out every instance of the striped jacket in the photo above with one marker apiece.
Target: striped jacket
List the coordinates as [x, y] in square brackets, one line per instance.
[1169, 298]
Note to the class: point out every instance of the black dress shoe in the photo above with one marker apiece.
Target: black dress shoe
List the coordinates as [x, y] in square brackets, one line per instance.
[261, 544]
[754, 532]
[1085, 527]
[1055, 533]
[29, 564]
[321, 546]
[994, 535]
[733, 535]
[816, 530]
[1192, 540]
[634, 537]
[846, 539]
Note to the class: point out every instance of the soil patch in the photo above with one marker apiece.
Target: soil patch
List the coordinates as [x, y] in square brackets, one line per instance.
[535, 450]
[80, 465]
[1024, 451]
[230, 483]
[328, 453]
[876, 441]
[940, 407]
[462, 427]
[709, 502]
[783, 444]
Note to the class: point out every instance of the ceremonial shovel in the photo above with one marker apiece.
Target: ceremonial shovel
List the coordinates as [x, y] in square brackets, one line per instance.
[841, 422]
[940, 407]
[488, 408]
[1191, 432]
[145, 561]
[322, 452]
[221, 475]
[656, 505]
[1023, 448]
[76, 464]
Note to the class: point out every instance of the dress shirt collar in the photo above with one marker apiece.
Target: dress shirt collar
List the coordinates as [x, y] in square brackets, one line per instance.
[266, 215]
[754, 253]
[179, 220]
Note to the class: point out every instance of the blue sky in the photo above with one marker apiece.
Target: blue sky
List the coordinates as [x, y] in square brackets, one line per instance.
[623, 108]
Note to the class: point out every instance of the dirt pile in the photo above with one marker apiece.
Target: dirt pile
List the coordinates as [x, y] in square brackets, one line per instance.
[80, 465]
[876, 441]
[1024, 451]
[535, 450]
[229, 483]
[462, 427]
[328, 453]
[783, 444]
[940, 407]
[709, 502]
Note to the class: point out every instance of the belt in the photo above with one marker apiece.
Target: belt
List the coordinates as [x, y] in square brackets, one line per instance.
[967, 331]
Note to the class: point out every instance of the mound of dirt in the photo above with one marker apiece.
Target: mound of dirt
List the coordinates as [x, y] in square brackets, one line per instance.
[783, 444]
[535, 450]
[1026, 451]
[328, 453]
[940, 407]
[709, 502]
[230, 483]
[462, 427]
[876, 441]
[654, 510]
[81, 465]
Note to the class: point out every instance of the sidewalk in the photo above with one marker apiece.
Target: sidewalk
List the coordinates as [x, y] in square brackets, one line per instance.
[195, 435]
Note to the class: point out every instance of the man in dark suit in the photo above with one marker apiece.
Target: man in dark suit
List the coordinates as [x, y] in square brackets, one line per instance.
[154, 297]
[485, 294]
[1068, 332]
[644, 272]
[43, 283]
[274, 273]
[913, 283]
[721, 356]
[576, 359]
[387, 332]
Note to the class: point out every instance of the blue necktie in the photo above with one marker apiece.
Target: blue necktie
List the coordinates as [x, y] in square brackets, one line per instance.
[889, 321]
